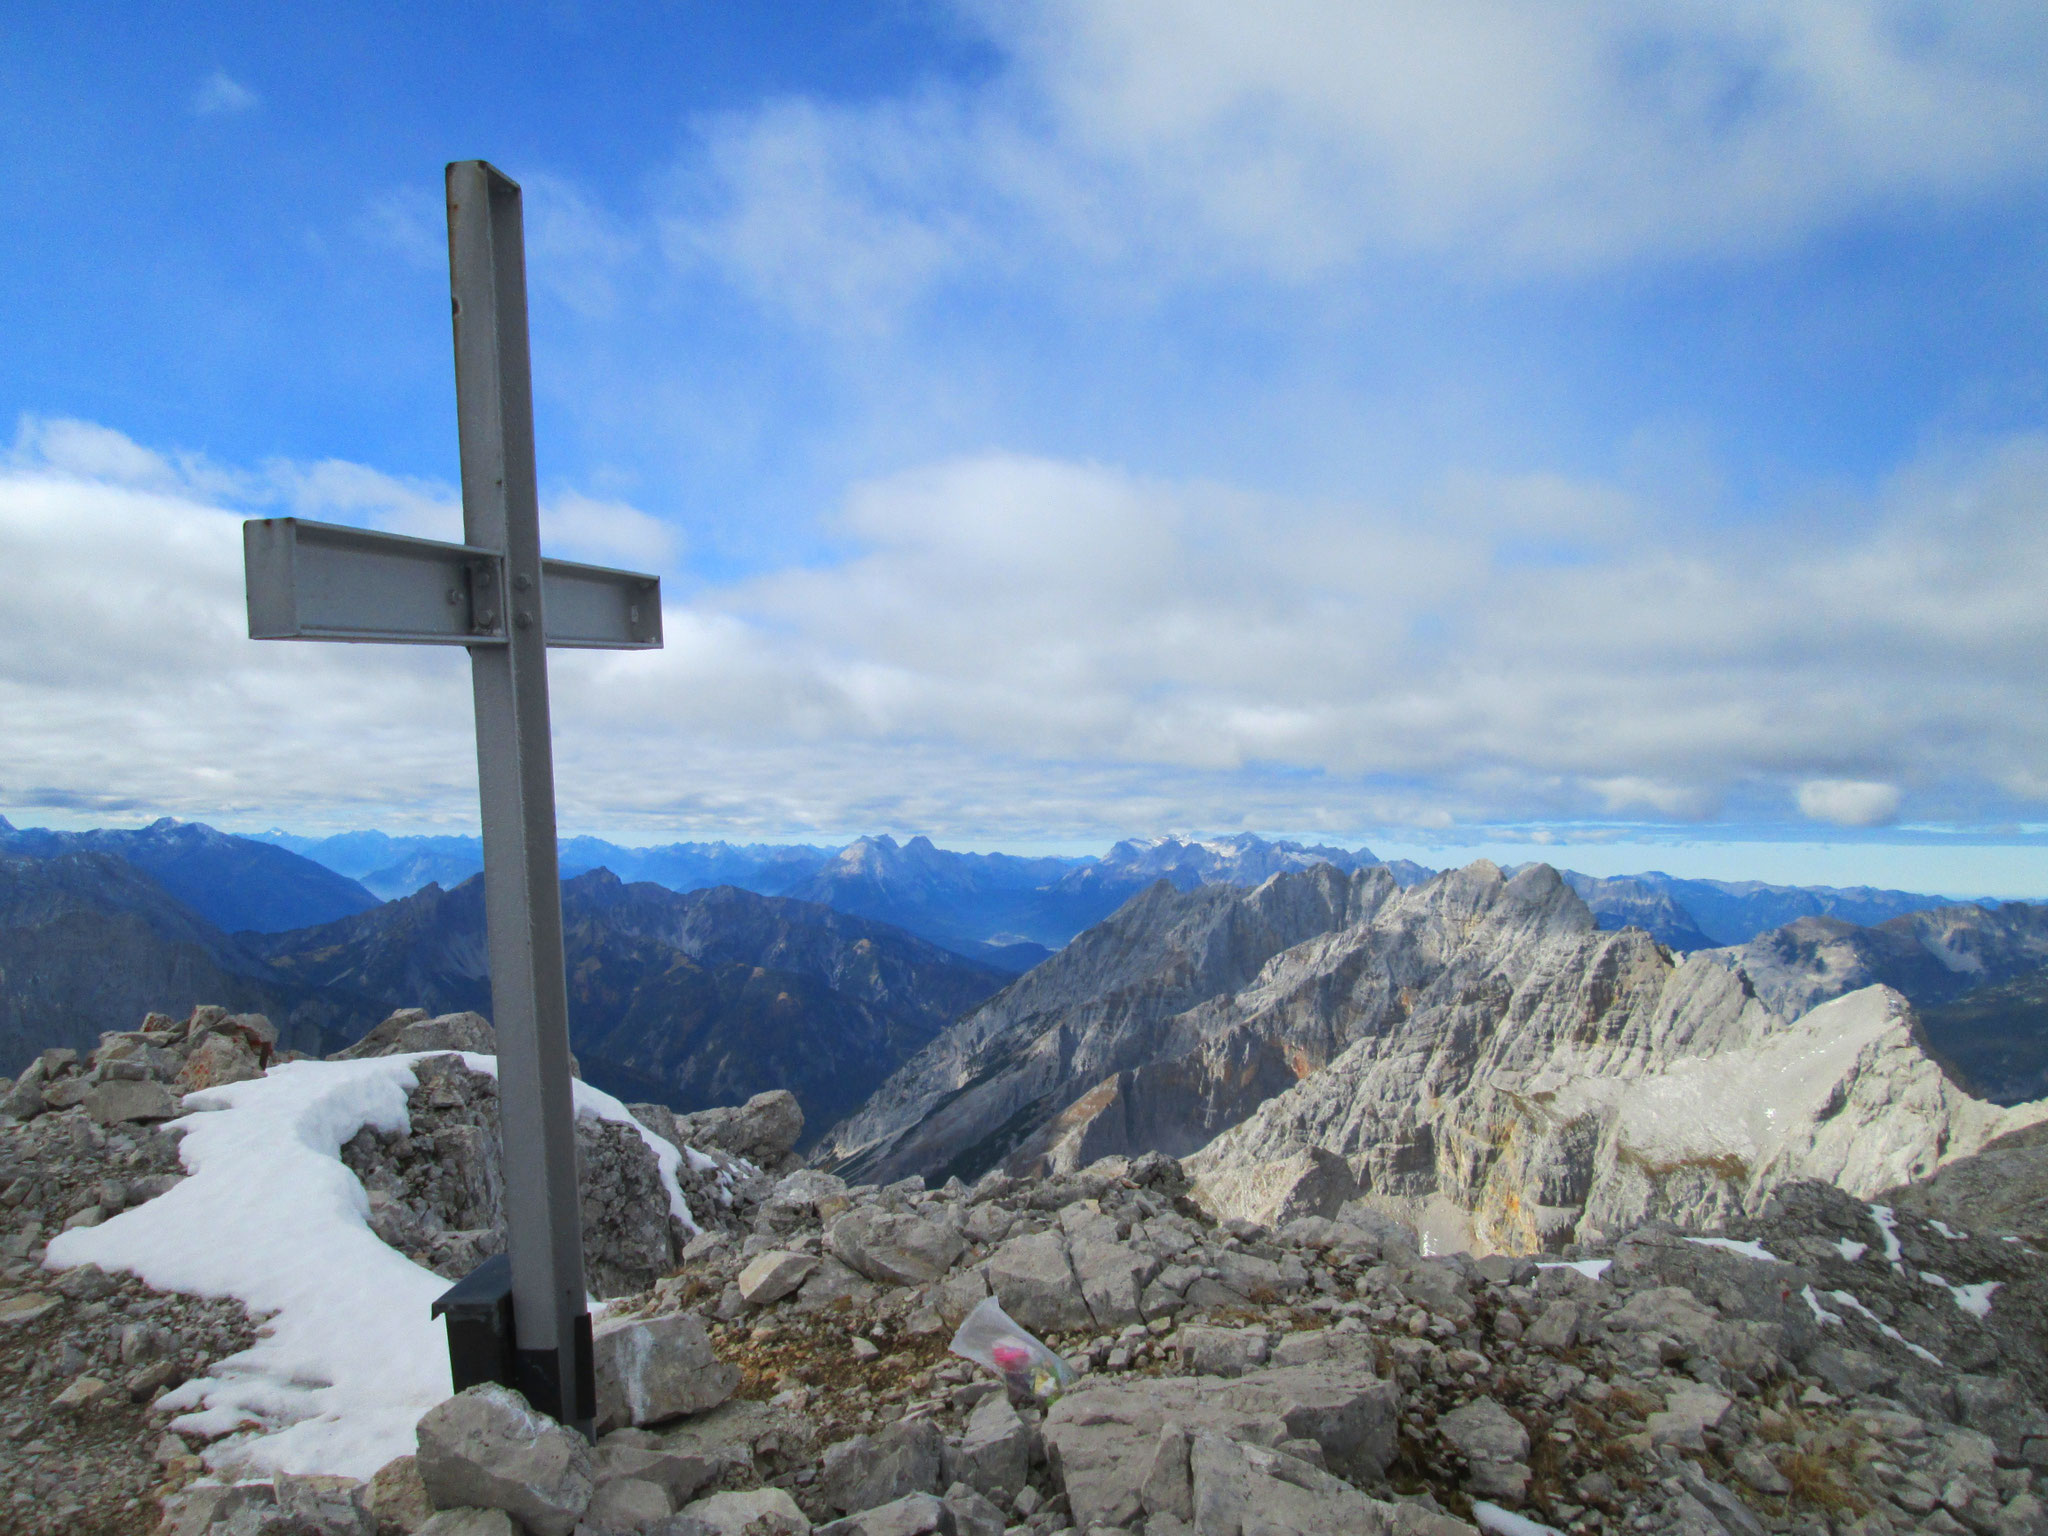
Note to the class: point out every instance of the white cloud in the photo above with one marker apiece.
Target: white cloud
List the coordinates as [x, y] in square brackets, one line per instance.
[1179, 137]
[220, 94]
[583, 528]
[1017, 647]
[844, 215]
[1849, 802]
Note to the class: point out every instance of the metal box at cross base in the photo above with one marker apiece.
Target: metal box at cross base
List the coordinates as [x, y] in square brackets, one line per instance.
[481, 1346]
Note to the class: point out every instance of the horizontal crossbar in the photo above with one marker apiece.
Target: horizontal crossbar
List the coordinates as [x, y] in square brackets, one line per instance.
[319, 581]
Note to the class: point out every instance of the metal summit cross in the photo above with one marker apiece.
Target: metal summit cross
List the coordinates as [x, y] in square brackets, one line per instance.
[494, 594]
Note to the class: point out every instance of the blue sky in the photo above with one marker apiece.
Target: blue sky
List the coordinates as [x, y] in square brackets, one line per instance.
[1612, 432]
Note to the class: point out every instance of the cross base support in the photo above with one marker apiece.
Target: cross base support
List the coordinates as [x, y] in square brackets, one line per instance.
[483, 1346]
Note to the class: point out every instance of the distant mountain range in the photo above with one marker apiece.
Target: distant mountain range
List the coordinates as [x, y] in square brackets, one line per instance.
[865, 956]
[1708, 914]
[689, 1000]
[1007, 911]
[235, 883]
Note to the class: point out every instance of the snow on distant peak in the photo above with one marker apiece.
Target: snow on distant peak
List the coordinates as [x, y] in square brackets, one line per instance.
[349, 1357]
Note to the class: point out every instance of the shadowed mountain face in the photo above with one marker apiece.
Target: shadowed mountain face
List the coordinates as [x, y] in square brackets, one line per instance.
[1106, 1003]
[88, 943]
[1995, 1038]
[235, 883]
[689, 999]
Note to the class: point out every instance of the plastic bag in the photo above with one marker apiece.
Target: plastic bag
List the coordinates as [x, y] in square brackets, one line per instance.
[989, 1338]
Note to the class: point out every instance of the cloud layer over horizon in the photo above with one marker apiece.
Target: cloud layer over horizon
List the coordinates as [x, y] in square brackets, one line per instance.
[1013, 646]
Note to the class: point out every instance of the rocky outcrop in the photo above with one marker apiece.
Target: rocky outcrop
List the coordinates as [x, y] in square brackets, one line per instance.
[1502, 1070]
[410, 1029]
[437, 1195]
[1114, 1001]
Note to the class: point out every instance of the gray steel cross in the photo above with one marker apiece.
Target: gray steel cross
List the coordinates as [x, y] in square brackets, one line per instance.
[494, 594]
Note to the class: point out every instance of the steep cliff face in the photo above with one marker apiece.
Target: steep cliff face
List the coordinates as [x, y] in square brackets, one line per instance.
[1534, 1080]
[1111, 1001]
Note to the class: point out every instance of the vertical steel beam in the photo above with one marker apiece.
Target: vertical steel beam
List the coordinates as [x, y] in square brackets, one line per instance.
[515, 769]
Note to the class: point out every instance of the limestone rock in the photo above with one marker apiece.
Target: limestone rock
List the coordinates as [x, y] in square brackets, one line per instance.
[1495, 1446]
[677, 1473]
[906, 1458]
[324, 1506]
[995, 1452]
[764, 1130]
[112, 1103]
[409, 1030]
[915, 1514]
[1310, 1182]
[773, 1275]
[1104, 1437]
[628, 1504]
[1207, 1351]
[650, 1369]
[894, 1247]
[471, 1522]
[1248, 1490]
[485, 1447]
[397, 1497]
[1033, 1280]
[974, 1515]
[759, 1512]
[220, 1058]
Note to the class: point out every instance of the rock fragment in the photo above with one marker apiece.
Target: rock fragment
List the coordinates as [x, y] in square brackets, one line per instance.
[487, 1448]
[651, 1369]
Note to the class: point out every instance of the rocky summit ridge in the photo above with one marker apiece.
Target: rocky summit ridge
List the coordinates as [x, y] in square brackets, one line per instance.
[1475, 1054]
[777, 1363]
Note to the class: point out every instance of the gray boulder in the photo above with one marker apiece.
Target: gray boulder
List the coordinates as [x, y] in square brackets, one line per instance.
[995, 1452]
[764, 1130]
[773, 1275]
[1032, 1279]
[628, 1504]
[650, 1369]
[894, 1247]
[470, 1522]
[869, 1470]
[1495, 1446]
[410, 1030]
[1207, 1351]
[757, 1512]
[1104, 1438]
[486, 1448]
[115, 1103]
[915, 1514]
[1248, 1490]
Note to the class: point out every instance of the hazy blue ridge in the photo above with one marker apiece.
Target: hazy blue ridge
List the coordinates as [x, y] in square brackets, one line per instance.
[235, 883]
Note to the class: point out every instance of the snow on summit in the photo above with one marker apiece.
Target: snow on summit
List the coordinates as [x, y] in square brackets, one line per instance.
[350, 1356]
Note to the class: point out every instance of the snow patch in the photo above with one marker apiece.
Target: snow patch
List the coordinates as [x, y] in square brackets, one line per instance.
[1888, 1224]
[1849, 1301]
[1850, 1249]
[1592, 1269]
[1505, 1522]
[1747, 1249]
[1943, 1228]
[1820, 1313]
[349, 1357]
[1973, 1299]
